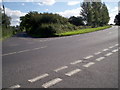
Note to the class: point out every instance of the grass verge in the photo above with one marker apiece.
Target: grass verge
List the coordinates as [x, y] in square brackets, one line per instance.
[82, 31]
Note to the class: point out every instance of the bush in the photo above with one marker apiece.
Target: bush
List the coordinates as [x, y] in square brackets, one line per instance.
[45, 25]
[7, 32]
[49, 30]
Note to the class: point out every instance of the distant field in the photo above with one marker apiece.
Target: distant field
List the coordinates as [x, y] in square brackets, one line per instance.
[81, 31]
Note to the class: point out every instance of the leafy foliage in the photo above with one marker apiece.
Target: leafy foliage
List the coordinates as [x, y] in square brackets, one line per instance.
[76, 20]
[5, 19]
[44, 24]
[117, 19]
[95, 13]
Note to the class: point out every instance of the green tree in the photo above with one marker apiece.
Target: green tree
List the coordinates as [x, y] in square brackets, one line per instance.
[5, 19]
[117, 19]
[43, 24]
[104, 15]
[95, 13]
[86, 12]
[96, 9]
[76, 20]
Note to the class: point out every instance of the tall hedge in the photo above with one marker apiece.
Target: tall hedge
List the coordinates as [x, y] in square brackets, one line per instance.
[44, 24]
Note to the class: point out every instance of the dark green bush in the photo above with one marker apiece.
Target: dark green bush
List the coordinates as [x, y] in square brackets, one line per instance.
[45, 25]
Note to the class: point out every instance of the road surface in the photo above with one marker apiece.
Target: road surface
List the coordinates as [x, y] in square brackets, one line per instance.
[79, 61]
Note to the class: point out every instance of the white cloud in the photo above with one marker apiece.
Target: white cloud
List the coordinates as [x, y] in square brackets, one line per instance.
[112, 13]
[15, 16]
[46, 2]
[72, 12]
[73, 2]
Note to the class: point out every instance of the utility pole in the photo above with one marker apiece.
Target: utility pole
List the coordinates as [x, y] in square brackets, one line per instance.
[4, 15]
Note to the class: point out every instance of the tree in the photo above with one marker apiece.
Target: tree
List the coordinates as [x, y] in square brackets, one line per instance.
[104, 15]
[76, 20]
[117, 19]
[96, 9]
[5, 19]
[43, 24]
[95, 13]
[86, 12]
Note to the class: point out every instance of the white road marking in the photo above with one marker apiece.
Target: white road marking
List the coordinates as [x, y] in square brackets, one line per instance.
[38, 78]
[115, 50]
[88, 57]
[105, 49]
[9, 53]
[76, 62]
[23, 51]
[108, 54]
[89, 64]
[116, 45]
[52, 82]
[36, 48]
[43, 47]
[15, 86]
[99, 59]
[97, 53]
[73, 72]
[111, 46]
[61, 68]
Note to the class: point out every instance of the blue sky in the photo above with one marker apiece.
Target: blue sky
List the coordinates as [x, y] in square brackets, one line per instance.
[65, 8]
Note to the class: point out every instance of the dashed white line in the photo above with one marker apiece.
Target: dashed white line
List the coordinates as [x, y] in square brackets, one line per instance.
[38, 78]
[89, 64]
[88, 57]
[115, 50]
[76, 62]
[97, 53]
[73, 72]
[23, 51]
[52, 82]
[15, 86]
[99, 59]
[61, 68]
[111, 46]
[105, 49]
[116, 45]
[108, 54]
[9, 53]
[43, 47]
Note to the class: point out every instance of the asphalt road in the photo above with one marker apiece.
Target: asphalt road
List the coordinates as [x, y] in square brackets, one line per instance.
[79, 61]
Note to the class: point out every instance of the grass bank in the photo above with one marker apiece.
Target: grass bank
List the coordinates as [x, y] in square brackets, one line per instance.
[82, 31]
[6, 32]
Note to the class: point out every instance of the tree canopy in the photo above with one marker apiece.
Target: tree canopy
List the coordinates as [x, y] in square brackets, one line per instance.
[117, 19]
[76, 20]
[5, 19]
[44, 24]
[95, 13]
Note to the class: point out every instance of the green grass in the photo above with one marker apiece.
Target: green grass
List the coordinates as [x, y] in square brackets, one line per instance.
[6, 32]
[82, 31]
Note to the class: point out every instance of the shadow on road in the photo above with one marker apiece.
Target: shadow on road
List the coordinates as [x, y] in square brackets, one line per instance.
[25, 35]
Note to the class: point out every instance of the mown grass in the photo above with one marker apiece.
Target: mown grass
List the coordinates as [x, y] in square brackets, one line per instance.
[82, 31]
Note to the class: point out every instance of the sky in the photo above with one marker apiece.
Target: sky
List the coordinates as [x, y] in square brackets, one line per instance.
[17, 8]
